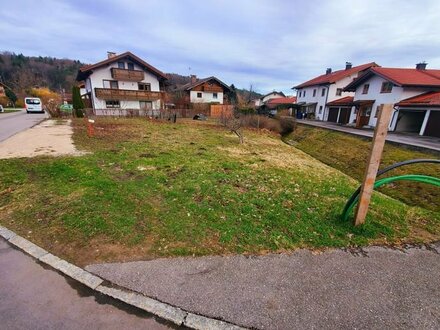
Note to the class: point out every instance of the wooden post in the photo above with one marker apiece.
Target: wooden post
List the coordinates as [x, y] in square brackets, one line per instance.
[380, 133]
[90, 128]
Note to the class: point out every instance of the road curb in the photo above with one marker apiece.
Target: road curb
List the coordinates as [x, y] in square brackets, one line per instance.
[164, 311]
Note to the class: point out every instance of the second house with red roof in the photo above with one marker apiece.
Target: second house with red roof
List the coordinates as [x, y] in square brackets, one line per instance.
[354, 97]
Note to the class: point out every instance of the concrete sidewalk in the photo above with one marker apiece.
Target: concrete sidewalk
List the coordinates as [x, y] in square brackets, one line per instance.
[374, 288]
[414, 140]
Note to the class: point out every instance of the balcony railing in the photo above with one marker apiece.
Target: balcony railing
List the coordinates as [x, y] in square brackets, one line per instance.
[127, 94]
[127, 75]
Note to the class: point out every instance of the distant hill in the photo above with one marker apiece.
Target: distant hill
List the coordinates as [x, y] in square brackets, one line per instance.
[21, 73]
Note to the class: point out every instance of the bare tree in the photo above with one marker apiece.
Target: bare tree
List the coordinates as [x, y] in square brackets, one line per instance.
[233, 122]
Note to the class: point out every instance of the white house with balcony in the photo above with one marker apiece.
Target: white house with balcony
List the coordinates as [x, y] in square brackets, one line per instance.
[121, 85]
[313, 95]
[206, 90]
[413, 93]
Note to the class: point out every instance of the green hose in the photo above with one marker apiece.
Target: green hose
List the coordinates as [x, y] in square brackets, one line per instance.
[410, 177]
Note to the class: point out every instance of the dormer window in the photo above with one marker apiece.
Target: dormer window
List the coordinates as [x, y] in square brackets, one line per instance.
[121, 65]
[130, 66]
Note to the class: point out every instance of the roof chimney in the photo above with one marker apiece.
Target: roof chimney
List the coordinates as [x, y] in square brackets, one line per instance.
[193, 78]
[328, 71]
[111, 54]
[421, 66]
[348, 65]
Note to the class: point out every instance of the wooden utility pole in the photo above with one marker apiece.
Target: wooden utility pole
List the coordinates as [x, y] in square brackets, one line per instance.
[380, 134]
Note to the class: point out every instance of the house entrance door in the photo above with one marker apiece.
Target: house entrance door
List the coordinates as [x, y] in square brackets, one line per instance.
[363, 116]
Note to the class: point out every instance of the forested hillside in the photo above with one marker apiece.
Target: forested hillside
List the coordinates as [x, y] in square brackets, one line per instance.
[21, 73]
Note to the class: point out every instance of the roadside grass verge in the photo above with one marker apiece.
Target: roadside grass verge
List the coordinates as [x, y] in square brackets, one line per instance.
[349, 154]
[152, 189]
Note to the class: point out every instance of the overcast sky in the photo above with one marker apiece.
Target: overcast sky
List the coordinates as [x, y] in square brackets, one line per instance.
[272, 45]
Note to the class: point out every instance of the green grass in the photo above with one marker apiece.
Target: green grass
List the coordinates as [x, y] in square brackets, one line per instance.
[158, 189]
[349, 154]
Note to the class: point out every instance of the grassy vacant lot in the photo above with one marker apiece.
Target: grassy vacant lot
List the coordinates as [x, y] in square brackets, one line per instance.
[151, 189]
[348, 153]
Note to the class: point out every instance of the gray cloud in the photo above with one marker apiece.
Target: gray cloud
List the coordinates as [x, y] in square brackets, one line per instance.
[270, 44]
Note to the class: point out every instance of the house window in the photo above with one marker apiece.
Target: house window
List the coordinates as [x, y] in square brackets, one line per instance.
[121, 65]
[365, 89]
[299, 94]
[378, 111]
[130, 66]
[146, 105]
[386, 87]
[144, 87]
[214, 95]
[320, 109]
[113, 84]
[323, 92]
[338, 91]
[314, 92]
[112, 104]
[199, 95]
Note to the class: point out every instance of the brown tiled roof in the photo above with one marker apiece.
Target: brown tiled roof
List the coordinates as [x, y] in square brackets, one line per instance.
[190, 86]
[347, 100]
[423, 100]
[400, 77]
[88, 68]
[282, 100]
[335, 76]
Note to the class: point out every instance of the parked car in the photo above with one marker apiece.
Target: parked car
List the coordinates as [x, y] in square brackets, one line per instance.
[33, 104]
[1, 108]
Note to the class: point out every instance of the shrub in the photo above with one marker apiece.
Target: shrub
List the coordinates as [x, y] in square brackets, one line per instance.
[77, 102]
[282, 125]
[246, 111]
[287, 124]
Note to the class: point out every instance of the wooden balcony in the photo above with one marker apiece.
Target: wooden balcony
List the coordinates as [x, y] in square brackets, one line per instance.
[126, 94]
[127, 75]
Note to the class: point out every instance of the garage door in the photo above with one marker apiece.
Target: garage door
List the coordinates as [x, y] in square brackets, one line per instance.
[333, 114]
[344, 116]
[433, 124]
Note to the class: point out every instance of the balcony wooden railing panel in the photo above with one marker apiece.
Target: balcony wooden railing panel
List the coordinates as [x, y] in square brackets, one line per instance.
[127, 75]
[127, 94]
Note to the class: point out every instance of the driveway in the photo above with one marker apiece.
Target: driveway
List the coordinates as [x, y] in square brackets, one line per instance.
[49, 138]
[15, 122]
[414, 140]
[34, 297]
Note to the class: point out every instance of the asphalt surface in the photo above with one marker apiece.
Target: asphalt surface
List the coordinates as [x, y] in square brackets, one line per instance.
[427, 142]
[35, 297]
[15, 122]
[375, 288]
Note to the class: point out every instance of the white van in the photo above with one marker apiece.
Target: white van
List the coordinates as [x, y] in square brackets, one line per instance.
[33, 104]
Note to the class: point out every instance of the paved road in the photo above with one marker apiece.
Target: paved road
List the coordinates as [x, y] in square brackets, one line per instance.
[33, 297]
[14, 122]
[427, 142]
[374, 288]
